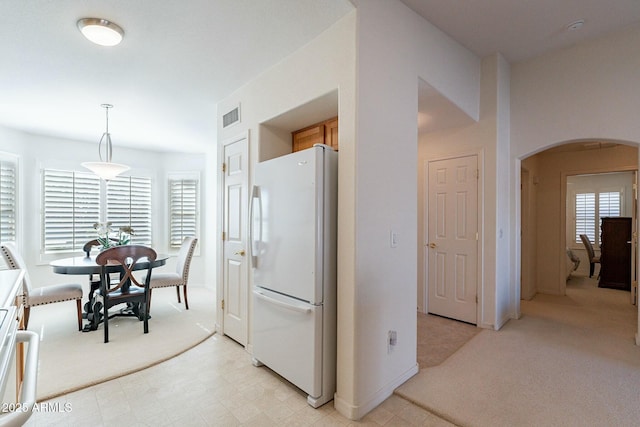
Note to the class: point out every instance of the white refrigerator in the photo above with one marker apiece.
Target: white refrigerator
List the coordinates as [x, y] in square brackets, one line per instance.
[293, 255]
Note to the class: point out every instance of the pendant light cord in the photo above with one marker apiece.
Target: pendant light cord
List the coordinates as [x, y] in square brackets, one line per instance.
[108, 144]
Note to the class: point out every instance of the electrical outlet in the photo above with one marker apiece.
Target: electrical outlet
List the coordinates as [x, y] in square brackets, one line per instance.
[392, 340]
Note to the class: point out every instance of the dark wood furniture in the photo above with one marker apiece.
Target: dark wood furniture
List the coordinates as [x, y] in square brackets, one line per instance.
[86, 265]
[615, 253]
[128, 290]
[82, 265]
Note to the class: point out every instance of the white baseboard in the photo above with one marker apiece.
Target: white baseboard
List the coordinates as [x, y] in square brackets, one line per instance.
[356, 412]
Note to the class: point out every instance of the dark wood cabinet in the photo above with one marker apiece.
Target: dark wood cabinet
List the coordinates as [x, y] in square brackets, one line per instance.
[615, 253]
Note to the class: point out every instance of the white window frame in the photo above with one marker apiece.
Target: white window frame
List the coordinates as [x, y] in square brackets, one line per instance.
[138, 216]
[9, 211]
[70, 188]
[172, 243]
[46, 256]
[8, 163]
[595, 238]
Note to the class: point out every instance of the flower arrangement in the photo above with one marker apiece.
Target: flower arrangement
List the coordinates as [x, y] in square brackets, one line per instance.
[108, 238]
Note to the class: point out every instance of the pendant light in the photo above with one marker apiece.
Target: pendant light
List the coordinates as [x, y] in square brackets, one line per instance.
[105, 169]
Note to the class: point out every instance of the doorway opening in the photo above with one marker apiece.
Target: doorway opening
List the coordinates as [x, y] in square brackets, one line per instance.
[559, 190]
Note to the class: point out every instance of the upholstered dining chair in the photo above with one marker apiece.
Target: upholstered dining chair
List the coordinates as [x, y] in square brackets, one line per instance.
[181, 275]
[128, 289]
[593, 259]
[43, 295]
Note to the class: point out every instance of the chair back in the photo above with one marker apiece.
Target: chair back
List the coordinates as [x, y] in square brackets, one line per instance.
[89, 245]
[92, 243]
[184, 257]
[587, 244]
[127, 256]
[15, 261]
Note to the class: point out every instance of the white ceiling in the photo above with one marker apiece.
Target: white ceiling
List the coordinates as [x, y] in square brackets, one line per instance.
[178, 59]
[523, 29]
[518, 29]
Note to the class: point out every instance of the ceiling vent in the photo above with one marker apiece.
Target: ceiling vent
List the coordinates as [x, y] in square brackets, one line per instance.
[231, 117]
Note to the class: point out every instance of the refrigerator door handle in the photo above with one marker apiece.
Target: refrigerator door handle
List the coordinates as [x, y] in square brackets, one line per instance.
[298, 308]
[254, 246]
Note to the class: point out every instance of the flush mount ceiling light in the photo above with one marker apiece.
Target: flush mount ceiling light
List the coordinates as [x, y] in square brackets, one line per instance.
[100, 31]
[104, 168]
[575, 25]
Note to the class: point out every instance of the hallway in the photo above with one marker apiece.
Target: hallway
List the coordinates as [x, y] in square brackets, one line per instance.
[570, 360]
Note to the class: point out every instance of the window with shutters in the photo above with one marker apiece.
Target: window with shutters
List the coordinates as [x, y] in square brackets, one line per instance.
[129, 204]
[8, 198]
[74, 201]
[590, 208]
[71, 205]
[183, 208]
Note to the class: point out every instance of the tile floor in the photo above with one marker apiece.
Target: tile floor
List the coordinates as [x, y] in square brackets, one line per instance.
[213, 384]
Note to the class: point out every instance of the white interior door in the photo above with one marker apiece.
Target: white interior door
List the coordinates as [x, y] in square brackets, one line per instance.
[235, 217]
[453, 238]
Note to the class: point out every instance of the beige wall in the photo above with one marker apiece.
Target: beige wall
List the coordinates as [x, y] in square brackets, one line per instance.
[529, 222]
[550, 207]
[589, 91]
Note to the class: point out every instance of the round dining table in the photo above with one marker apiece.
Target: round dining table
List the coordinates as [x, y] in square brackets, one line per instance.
[86, 265]
[82, 265]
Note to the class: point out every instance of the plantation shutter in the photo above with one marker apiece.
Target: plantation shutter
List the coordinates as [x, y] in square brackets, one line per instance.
[588, 218]
[71, 206]
[129, 205]
[609, 204]
[8, 201]
[183, 209]
[585, 216]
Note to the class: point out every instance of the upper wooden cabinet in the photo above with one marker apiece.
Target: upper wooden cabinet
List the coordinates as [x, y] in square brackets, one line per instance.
[325, 132]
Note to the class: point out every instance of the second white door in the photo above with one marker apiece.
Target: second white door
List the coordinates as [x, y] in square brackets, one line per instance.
[235, 278]
[453, 238]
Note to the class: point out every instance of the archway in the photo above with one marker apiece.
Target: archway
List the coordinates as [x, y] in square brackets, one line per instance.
[543, 203]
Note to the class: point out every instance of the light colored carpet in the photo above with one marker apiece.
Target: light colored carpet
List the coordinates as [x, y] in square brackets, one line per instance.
[70, 360]
[568, 361]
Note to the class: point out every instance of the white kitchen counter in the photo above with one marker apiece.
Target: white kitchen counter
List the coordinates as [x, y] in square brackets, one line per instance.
[10, 286]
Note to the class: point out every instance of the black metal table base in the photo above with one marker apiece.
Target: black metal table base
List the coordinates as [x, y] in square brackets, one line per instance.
[93, 313]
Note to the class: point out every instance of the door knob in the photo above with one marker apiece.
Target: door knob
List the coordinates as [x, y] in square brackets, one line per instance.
[432, 245]
[240, 252]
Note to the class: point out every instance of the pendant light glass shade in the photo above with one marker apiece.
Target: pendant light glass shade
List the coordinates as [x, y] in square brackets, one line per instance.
[105, 169]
